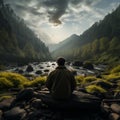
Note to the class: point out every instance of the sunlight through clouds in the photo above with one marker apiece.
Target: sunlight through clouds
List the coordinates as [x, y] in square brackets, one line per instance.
[59, 19]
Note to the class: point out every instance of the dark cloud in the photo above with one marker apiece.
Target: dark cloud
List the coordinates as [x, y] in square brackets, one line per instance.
[54, 9]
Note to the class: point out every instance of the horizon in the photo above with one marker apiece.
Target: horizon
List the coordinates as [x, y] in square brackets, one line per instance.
[53, 24]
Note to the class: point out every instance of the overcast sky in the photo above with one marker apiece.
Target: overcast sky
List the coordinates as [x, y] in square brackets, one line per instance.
[55, 20]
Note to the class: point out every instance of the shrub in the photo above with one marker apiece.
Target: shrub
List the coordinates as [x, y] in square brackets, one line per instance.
[16, 79]
[79, 79]
[116, 69]
[89, 79]
[112, 77]
[94, 89]
[36, 82]
[4, 97]
[5, 84]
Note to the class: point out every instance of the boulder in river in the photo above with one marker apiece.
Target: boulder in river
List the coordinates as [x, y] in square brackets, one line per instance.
[29, 68]
[38, 72]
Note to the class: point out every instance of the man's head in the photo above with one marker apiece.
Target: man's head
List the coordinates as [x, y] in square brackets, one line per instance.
[61, 61]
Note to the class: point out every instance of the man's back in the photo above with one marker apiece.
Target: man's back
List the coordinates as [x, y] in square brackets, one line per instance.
[61, 83]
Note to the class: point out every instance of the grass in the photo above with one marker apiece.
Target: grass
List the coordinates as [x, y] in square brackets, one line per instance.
[116, 69]
[5, 97]
[95, 88]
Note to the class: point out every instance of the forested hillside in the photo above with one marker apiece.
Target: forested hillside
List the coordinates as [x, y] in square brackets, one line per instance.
[101, 42]
[17, 42]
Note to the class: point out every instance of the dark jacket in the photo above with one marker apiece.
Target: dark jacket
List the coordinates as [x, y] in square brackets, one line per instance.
[61, 83]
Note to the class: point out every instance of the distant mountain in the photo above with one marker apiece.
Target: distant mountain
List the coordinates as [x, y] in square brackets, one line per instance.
[17, 42]
[101, 42]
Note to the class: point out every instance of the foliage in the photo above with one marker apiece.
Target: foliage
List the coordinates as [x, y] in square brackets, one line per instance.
[12, 80]
[17, 42]
[95, 88]
[100, 43]
[5, 84]
[112, 77]
[36, 82]
[5, 97]
[116, 69]
[79, 79]
[89, 79]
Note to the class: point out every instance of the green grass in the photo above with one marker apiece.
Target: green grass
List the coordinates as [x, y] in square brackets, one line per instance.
[5, 97]
[95, 88]
[116, 69]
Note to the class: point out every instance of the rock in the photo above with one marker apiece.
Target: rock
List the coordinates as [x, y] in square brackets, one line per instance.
[36, 103]
[80, 100]
[20, 71]
[25, 95]
[115, 108]
[114, 116]
[88, 65]
[1, 113]
[46, 70]
[5, 104]
[29, 68]
[77, 63]
[15, 113]
[38, 72]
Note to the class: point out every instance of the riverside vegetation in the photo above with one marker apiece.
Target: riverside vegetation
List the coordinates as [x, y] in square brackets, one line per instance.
[14, 86]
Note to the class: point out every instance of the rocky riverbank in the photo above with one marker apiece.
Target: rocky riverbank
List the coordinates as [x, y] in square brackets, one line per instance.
[33, 104]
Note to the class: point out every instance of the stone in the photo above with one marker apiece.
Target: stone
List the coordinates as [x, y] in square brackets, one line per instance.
[36, 103]
[5, 104]
[46, 70]
[29, 68]
[77, 63]
[115, 108]
[25, 95]
[114, 116]
[15, 113]
[38, 72]
[79, 100]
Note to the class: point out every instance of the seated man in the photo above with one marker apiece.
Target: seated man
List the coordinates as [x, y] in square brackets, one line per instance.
[61, 82]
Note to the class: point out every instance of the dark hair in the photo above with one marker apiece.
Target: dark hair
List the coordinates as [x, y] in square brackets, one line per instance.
[61, 61]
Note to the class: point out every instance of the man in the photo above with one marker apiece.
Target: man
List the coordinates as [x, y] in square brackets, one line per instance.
[61, 82]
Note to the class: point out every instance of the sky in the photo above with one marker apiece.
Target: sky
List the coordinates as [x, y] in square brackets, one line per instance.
[55, 20]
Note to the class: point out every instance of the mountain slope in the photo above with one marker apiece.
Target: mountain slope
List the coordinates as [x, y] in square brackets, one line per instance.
[17, 41]
[101, 42]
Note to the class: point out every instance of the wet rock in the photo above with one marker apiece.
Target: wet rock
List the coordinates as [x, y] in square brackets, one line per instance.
[114, 116]
[20, 71]
[115, 108]
[36, 103]
[38, 72]
[88, 65]
[29, 68]
[5, 104]
[46, 70]
[77, 63]
[25, 95]
[15, 113]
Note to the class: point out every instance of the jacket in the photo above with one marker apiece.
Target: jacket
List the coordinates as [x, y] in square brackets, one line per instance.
[61, 83]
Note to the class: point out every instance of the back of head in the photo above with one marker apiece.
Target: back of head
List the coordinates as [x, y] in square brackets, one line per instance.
[61, 61]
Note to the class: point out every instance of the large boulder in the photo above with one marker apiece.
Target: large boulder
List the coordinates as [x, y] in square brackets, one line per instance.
[29, 68]
[15, 113]
[5, 104]
[79, 100]
[77, 63]
[25, 95]
[88, 65]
